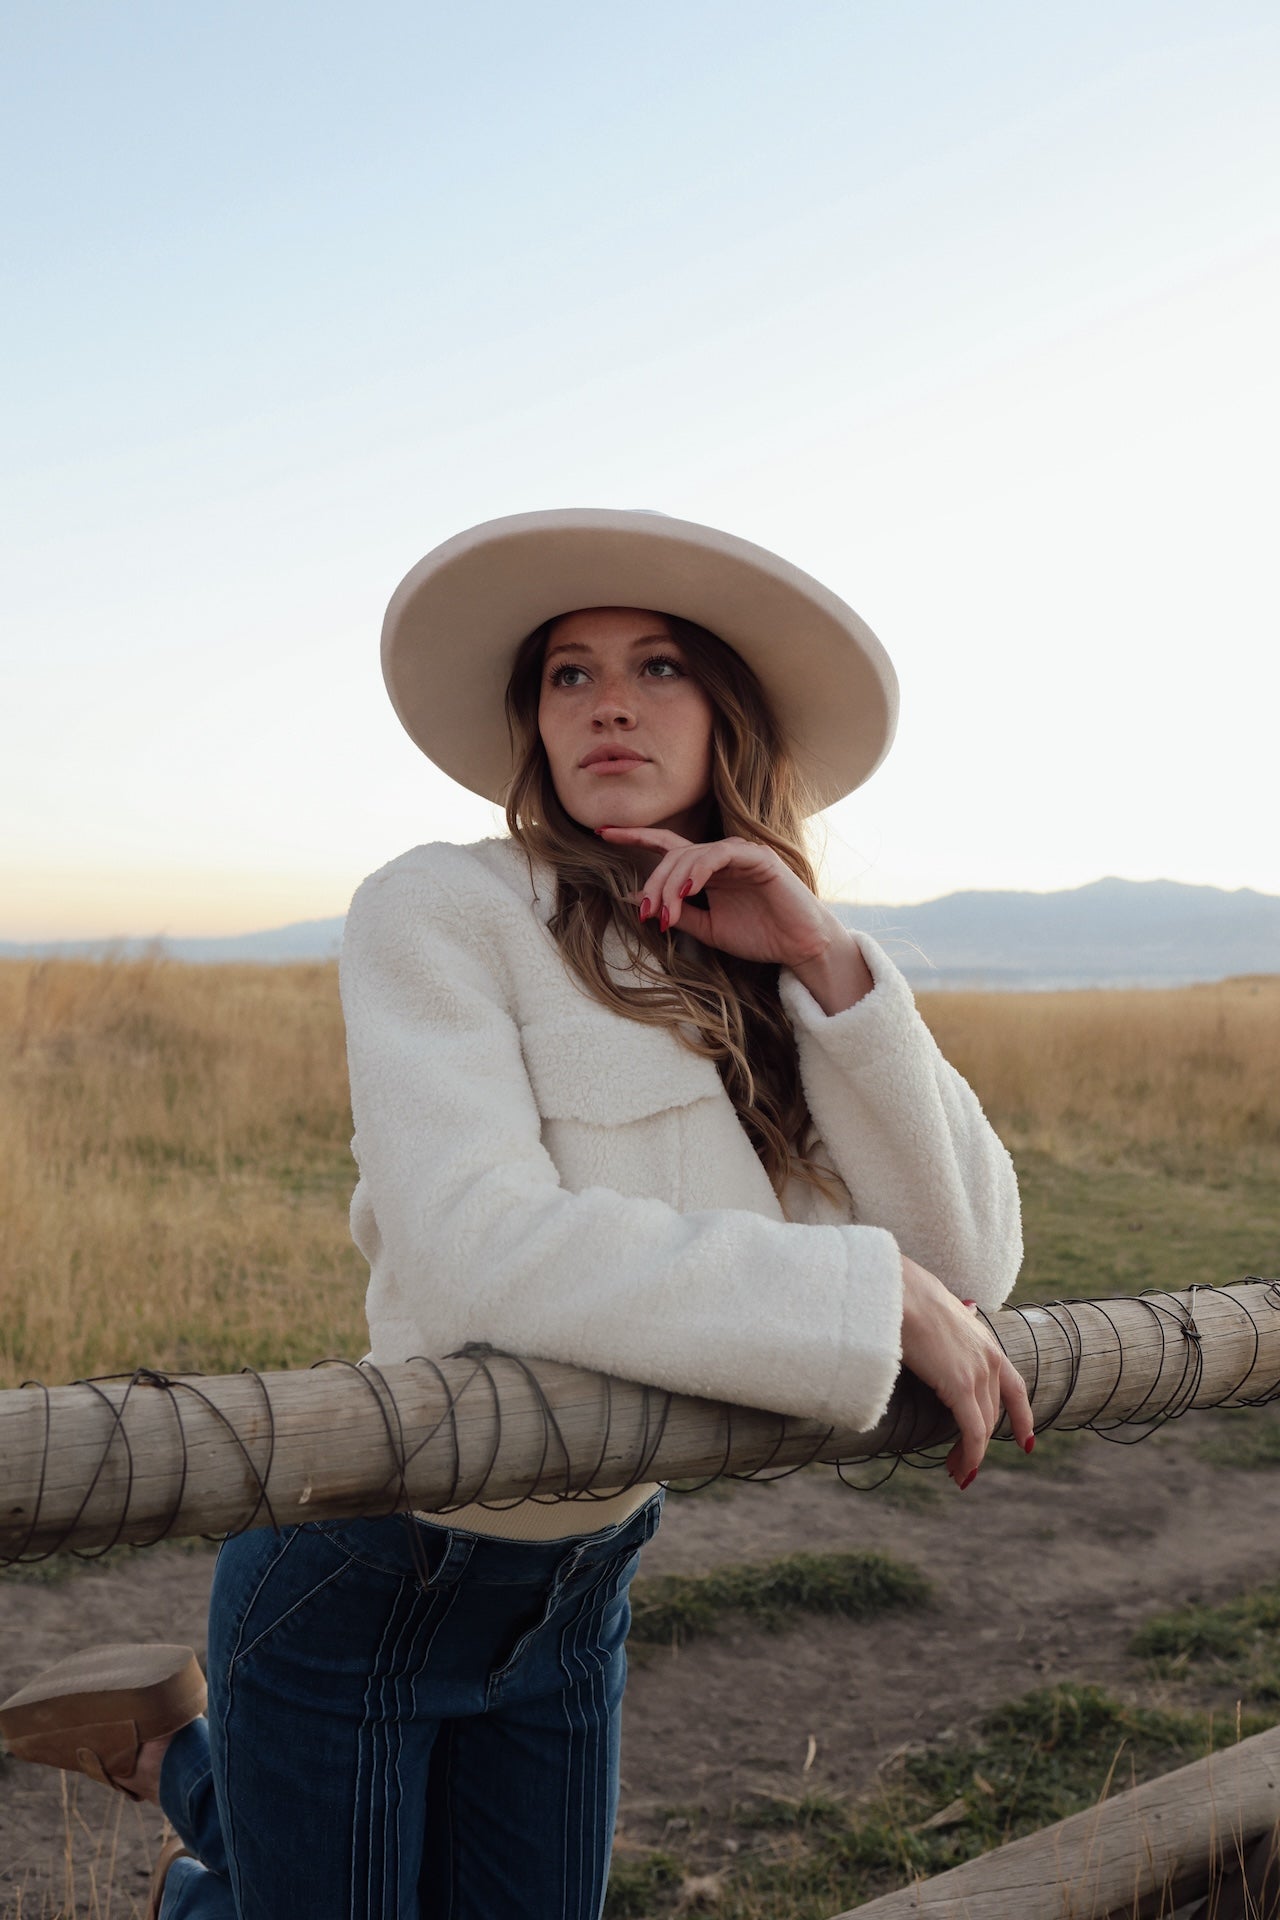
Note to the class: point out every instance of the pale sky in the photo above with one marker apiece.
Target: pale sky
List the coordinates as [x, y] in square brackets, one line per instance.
[971, 310]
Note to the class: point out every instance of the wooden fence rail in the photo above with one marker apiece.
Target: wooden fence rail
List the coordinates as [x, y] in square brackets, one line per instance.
[1147, 1851]
[90, 1464]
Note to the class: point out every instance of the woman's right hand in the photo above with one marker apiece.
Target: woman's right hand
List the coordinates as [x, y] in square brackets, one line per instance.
[951, 1349]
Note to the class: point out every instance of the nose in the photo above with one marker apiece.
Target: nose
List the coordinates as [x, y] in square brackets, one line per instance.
[612, 707]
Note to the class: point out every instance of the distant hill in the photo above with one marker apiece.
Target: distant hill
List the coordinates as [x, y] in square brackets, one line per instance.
[303, 940]
[1110, 933]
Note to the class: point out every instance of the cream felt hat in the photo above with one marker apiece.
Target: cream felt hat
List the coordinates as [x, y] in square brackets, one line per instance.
[456, 621]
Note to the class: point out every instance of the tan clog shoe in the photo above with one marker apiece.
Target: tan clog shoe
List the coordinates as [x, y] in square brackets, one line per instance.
[93, 1711]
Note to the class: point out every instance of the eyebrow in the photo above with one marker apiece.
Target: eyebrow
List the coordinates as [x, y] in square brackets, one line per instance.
[579, 646]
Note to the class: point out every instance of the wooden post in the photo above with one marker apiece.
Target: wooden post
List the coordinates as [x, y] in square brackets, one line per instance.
[87, 1465]
[1160, 1844]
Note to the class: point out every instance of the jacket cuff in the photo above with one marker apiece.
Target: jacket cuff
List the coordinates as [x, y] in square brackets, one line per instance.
[872, 1343]
[874, 1026]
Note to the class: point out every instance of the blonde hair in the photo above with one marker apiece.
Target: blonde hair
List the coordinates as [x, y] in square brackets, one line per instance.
[719, 1006]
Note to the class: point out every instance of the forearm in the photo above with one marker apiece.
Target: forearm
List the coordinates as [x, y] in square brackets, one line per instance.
[908, 1135]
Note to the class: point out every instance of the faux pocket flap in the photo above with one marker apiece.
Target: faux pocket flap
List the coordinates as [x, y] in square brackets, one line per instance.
[610, 1072]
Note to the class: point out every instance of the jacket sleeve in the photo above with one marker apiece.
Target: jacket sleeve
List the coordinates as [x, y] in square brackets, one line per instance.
[907, 1135]
[482, 1237]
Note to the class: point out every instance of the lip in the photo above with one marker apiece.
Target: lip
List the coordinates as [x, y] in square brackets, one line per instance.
[612, 759]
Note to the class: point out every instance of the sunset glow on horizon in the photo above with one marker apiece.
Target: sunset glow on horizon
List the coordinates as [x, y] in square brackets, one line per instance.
[971, 313]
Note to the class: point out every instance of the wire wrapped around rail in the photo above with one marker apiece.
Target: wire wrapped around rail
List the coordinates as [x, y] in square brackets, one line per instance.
[141, 1457]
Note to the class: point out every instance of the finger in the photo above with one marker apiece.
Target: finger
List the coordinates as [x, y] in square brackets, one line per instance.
[653, 891]
[690, 872]
[1001, 1373]
[696, 921]
[972, 1443]
[1018, 1406]
[666, 888]
[991, 1404]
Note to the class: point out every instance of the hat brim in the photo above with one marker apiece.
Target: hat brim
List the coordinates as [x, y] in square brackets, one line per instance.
[457, 619]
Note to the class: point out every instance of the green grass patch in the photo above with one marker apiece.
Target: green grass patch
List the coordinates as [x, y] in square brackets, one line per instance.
[671, 1608]
[1242, 1437]
[1058, 1454]
[1042, 1757]
[912, 1489]
[641, 1885]
[1038, 1759]
[1091, 1231]
[810, 1810]
[1238, 1642]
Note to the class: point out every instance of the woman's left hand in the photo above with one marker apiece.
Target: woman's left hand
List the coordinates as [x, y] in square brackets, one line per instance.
[756, 907]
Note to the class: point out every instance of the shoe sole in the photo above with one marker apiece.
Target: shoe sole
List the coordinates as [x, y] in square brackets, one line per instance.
[100, 1698]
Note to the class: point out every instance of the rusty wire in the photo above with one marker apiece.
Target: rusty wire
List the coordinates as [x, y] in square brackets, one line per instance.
[1175, 1318]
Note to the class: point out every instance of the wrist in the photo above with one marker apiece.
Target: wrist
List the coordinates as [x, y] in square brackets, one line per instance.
[836, 973]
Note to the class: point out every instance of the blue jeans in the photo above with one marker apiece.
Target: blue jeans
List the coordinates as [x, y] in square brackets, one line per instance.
[381, 1749]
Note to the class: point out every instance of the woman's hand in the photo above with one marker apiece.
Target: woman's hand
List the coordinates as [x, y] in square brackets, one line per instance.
[947, 1346]
[756, 907]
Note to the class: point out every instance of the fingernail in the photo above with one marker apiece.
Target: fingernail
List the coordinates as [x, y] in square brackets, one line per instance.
[686, 888]
[1027, 1445]
[969, 1480]
[664, 920]
[968, 1303]
[645, 908]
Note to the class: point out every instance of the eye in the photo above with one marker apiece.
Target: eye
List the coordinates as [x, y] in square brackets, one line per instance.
[556, 677]
[674, 670]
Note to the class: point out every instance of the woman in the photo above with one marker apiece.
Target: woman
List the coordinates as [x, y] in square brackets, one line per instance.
[627, 1095]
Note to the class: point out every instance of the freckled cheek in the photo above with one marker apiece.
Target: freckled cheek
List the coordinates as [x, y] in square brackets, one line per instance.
[695, 762]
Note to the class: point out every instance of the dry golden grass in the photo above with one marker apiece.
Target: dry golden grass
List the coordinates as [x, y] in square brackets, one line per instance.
[1183, 1079]
[175, 1167]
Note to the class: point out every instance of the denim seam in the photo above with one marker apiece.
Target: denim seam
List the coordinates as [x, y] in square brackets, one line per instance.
[433, 1626]
[233, 1870]
[283, 1546]
[367, 1740]
[392, 1750]
[303, 1599]
[581, 1874]
[550, 1604]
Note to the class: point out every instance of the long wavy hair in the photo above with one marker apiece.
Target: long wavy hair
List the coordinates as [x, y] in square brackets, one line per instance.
[719, 1006]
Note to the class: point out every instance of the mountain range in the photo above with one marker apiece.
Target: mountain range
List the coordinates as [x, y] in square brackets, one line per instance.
[1140, 933]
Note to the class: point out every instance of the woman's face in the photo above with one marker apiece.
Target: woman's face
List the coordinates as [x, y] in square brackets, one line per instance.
[626, 727]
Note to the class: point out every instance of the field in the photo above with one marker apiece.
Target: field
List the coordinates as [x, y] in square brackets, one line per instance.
[174, 1174]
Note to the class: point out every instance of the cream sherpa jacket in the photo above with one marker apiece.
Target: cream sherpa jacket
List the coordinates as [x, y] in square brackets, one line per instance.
[540, 1173]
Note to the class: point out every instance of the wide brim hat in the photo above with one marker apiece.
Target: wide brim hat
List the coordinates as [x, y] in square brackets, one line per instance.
[457, 619]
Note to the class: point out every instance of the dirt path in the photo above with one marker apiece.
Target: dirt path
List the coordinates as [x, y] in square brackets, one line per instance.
[1040, 1575]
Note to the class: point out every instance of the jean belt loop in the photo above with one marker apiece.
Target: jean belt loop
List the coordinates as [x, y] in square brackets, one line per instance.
[457, 1554]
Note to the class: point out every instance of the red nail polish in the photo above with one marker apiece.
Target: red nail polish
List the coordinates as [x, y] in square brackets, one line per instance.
[969, 1480]
[645, 908]
[1029, 1444]
[664, 920]
[968, 1303]
[686, 888]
